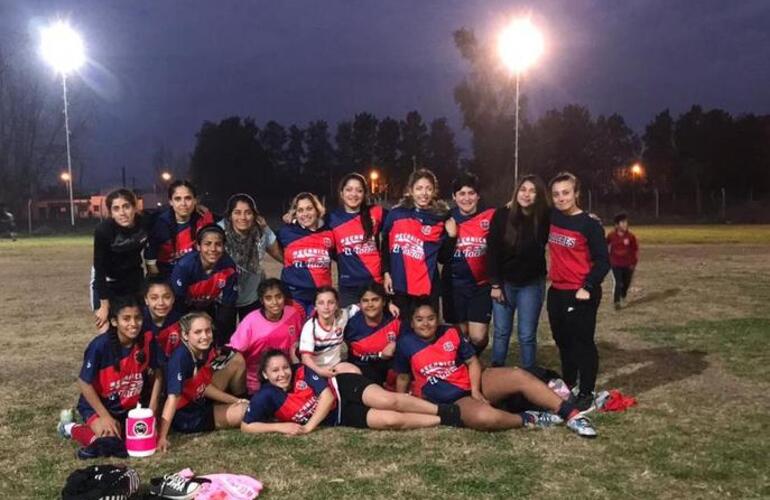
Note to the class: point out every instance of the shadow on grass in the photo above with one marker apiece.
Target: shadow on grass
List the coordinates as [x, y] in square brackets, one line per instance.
[638, 370]
[654, 297]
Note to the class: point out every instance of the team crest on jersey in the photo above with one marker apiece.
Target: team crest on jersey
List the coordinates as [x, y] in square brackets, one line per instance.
[314, 377]
[301, 385]
[328, 242]
[179, 282]
[426, 229]
[292, 330]
[391, 336]
[221, 283]
[449, 346]
[484, 224]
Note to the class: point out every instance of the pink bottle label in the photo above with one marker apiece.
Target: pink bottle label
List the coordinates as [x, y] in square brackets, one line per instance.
[140, 435]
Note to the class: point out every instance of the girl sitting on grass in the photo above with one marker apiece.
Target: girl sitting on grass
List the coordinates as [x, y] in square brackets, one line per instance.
[322, 338]
[198, 378]
[445, 369]
[111, 379]
[295, 400]
[160, 317]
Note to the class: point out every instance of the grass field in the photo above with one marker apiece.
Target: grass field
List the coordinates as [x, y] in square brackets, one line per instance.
[692, 347]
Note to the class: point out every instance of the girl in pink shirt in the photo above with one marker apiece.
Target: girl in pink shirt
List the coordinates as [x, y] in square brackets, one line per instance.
[275, 325]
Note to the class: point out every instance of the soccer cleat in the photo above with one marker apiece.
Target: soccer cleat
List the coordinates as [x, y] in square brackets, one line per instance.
[174, 486]
[65, 417]
[540, 419]
[581, 426]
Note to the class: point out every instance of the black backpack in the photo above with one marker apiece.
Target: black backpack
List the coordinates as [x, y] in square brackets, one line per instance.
[101, 482]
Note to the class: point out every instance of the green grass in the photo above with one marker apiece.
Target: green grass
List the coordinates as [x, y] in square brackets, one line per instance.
[741, 344]
[691, 347]
[702, 234]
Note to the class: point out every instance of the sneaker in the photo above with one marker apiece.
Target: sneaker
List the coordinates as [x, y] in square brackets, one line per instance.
[65, 417]
[584, 401]
[174, 486]
[540, 419]
[581, 426]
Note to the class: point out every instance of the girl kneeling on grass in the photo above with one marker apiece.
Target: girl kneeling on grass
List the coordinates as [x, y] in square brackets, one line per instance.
[112, 377]
[446, 370]
[201, 383]
[295, 400]
[322, 337]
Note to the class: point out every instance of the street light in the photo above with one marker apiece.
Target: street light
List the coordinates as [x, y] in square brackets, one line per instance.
[519, 46]
[373, 176]
[166, 176]
[62, 48]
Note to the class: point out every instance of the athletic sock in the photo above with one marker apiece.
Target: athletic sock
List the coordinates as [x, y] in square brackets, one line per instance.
[68, 429]
[567, 410]
[527, 419]
[83, 434]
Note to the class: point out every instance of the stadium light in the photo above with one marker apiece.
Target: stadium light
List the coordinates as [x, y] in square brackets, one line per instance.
[62, 48]
[519, 47]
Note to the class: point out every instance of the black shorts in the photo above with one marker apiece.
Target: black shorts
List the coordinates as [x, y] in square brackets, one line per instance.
[195, 418]
[350, 388]
[467, 304]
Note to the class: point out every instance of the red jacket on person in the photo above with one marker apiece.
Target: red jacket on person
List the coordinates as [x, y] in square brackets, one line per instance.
[624, 250]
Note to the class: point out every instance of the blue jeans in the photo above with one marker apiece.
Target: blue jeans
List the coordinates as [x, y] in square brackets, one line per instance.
[528, 299]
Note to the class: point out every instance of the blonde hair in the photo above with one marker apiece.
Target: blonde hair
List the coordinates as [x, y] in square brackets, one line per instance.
[313, 199]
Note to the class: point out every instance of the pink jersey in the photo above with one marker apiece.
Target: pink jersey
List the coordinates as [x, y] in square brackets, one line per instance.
[256, 334]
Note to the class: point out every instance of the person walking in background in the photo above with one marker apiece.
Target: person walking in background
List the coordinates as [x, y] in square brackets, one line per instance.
[516, 268]
[579, 263]
[624, 254]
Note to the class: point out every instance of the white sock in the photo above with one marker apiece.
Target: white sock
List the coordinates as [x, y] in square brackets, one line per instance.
[68, 429]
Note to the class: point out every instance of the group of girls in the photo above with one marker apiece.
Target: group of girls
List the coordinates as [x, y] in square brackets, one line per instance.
[227, 347]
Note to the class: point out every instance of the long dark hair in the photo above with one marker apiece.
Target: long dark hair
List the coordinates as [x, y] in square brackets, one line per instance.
[127, 195]
[365, 210]
[267, 356]
[247, 199]
[116, 305]
[438, 206]
[173, 227]
[517, 217]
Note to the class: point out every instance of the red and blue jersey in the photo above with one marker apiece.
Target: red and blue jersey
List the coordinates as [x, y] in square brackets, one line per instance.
[578, 252]
[119, 390]
[168, 335]
[437, 367]
[188, 378]
[170, 240]
[413, 238]
[296, 405]
[307, 260]
[366, 343]
[358, 260]
[469, 260]
[196, 289]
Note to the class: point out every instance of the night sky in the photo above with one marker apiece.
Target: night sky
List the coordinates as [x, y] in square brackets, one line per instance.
[159, 68]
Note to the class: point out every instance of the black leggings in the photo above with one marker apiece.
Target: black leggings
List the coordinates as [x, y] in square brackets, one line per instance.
[622, 277]
[573, 324]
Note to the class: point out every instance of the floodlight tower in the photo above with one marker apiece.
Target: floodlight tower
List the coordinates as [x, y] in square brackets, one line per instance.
[519, 46]
[62, 48]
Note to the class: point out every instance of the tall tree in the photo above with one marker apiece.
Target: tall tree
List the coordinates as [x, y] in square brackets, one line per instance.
[273, 138]
[414, 142]
[295, 152]
[344, 149]
[228, 158]
[320, 155]
[443, 152]
[660, 156]
[386, 153]
[364, 140]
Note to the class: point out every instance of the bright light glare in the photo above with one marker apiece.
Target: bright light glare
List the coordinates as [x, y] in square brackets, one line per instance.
[165, 176]
[520, 45]
[65, 176]
[374, 175]
[62, 47]
[636, 169]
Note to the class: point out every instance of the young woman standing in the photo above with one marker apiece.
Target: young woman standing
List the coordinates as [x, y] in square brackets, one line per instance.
[465, 285]
[247, 239]
[118, 244]
[413, 235]
[579, 263]
[356, 226]
[307, 250]
[516, 267]
[174, 231]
